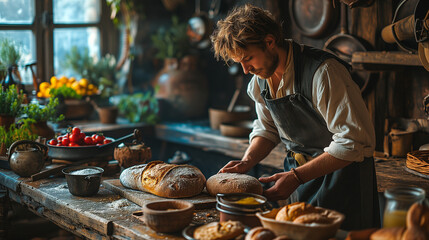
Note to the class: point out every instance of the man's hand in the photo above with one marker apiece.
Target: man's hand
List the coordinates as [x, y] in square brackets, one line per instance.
[236, 166]
[285, 185]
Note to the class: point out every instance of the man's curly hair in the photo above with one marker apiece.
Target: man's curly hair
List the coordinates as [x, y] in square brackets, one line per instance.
[245, 25]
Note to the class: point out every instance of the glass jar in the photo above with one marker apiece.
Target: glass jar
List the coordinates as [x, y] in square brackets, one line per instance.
[398, 201]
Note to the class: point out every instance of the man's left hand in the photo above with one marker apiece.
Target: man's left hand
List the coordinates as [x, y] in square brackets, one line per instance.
[285, 185]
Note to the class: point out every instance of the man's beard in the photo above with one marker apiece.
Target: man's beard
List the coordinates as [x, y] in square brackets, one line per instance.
[270, 65]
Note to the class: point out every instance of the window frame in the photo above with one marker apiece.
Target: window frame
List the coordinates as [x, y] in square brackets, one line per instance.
[43, 31]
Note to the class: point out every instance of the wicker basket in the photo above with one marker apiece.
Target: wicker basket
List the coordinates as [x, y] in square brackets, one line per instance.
[418, 161]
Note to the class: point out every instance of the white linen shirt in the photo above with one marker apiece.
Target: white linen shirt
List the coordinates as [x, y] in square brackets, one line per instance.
[337, 98]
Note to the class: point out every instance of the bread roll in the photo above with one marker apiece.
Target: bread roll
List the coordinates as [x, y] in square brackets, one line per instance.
[294, 210]
[393, 233]
[313, 218]
[164, 180]
[233, 183]
[219, 230]
[260, 233]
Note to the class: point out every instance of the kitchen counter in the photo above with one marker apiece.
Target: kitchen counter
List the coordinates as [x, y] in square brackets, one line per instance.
[105, 215]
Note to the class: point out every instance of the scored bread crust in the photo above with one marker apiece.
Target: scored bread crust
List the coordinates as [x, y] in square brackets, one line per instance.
[219, 230]
[164, 180]
[233, 183]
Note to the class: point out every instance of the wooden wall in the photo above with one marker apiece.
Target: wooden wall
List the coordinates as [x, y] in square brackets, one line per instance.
[394, 93]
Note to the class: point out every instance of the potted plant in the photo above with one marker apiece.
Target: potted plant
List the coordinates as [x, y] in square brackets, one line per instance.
[41, 115]
[102, 73]
[20, 131]
[9, 58]
[10, 105]
[139, 107]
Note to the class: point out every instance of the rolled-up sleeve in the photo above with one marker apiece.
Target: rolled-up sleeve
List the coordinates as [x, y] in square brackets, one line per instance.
[338, 100]
[264, 125]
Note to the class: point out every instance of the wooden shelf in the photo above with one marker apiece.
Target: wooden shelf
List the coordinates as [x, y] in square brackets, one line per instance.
[382, 60]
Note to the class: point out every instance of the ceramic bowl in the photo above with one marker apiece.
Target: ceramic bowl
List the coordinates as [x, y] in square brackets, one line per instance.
[300, 231]
[239, 129]
[168, 215]
[218, 116]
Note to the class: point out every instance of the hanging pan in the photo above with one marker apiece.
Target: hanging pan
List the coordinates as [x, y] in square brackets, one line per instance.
[343, 45]
[313, 18]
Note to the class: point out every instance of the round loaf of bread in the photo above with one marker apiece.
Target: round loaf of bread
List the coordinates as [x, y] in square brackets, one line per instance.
[233, 183]
[219, 230]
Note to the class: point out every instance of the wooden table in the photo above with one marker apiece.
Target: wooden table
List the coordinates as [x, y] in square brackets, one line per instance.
[103, 216]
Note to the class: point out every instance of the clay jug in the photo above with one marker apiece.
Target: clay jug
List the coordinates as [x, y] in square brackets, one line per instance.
[183, 89]
[27, 160]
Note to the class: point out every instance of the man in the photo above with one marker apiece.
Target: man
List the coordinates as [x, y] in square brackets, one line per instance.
[306, 99]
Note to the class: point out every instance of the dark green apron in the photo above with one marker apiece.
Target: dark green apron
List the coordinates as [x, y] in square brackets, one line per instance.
[351, 190]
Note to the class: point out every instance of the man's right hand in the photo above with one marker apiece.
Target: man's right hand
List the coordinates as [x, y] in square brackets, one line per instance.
[236, 166]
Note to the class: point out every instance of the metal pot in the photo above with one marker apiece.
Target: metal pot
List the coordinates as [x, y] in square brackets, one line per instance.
[83, 183]
[230, 209]
[29, 160]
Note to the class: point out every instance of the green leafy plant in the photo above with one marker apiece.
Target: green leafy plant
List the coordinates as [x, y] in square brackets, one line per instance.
[20, 131]
[10, 101]
[10, 53]
[102, 73]
[139, 107]
[44, 113]
[64, 92]
[171, 42]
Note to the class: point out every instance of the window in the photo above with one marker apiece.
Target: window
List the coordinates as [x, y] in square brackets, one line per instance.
[46, 30]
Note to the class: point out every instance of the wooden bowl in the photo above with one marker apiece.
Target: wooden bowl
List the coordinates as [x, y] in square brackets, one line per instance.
[299, 231]
[168, 215]
[218, 116]
[239, 129]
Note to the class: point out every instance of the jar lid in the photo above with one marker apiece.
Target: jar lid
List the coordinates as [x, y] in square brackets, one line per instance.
[405, 193]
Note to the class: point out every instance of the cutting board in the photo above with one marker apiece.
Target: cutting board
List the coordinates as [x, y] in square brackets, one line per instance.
[201, 201]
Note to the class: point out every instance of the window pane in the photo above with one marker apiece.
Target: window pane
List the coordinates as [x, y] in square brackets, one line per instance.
[27, 45]
[65, 39]
[76, 11]
[16, 11]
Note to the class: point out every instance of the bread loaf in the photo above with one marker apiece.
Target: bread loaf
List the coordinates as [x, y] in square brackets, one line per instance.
[164, 180]
[260, 233]
[294, 210]
[393, 233]
[233, 183]
[219, 231]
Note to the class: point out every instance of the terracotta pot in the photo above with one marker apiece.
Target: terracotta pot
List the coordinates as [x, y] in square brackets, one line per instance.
[74, 109]
[43, 129]
[6, 120]
[183, 89]
[107, 114]
[3, 150]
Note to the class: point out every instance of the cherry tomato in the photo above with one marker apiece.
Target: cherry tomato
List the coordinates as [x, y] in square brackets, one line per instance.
[99, 139]
[82, 136]
[88, 140]
[59, 138]
[98, 144]
[65, 141]
[59, 145]
[53, 142]
[72, 144]
[107, 140]
[76, 130]
[74, 138]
